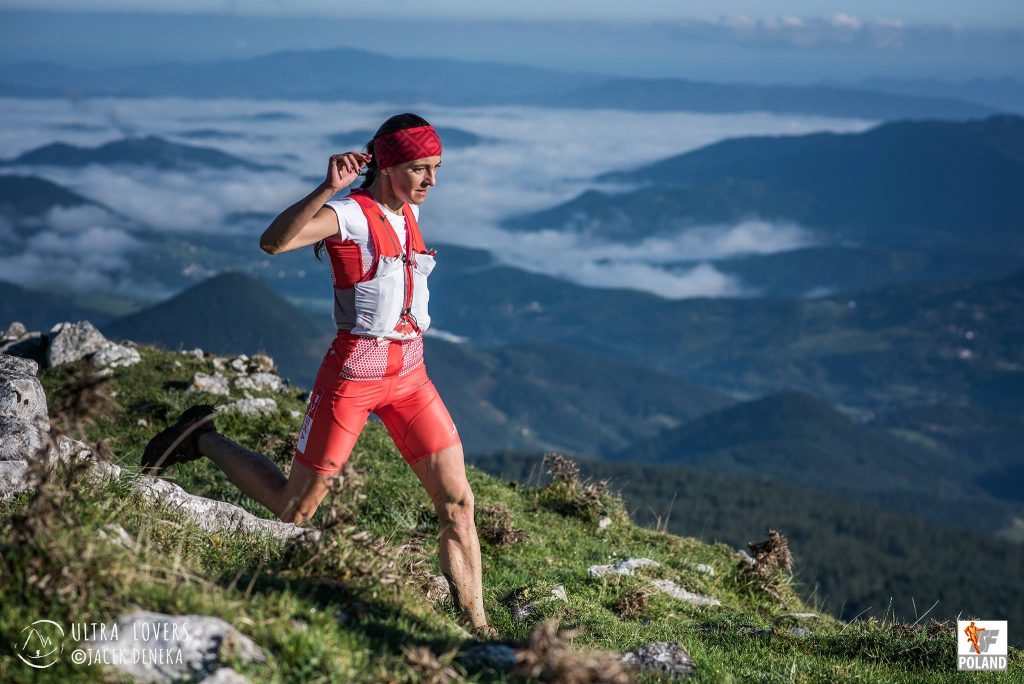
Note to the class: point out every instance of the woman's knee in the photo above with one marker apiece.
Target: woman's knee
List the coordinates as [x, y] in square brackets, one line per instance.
[302, 494]
[456, 509]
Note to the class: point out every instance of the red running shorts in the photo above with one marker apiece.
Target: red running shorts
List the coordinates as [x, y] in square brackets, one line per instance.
[408, 405]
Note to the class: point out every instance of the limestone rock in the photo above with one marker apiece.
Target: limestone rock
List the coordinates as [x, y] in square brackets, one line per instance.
[239, 364]
[677, 592]
[225, 675]
[116, 356]
[20, 440]
[604, 522]
[623, 567]
[196, 353]
[211, 384]
[261, 363]
[253, 407]
[15, 330]
[21, 393]
[72, 341]
[663, 657]
[17, 364]
[218, 516]
[202, 642]
[705, 568]
[13, 479]
[268, 381]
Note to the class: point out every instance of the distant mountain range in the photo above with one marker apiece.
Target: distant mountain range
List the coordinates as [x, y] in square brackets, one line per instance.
[451, 138]
[801, 440]
[955, 342]
[899, 184]
[1006, 94]
[24, 197]
[150, 151]
[328, 75]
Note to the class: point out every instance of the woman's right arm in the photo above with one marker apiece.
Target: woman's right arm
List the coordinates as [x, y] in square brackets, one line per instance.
[308, 221]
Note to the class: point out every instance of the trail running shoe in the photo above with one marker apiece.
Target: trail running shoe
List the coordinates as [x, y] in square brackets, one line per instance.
[179, 442]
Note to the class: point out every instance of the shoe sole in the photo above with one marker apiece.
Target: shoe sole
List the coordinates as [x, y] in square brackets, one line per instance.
[159, 466]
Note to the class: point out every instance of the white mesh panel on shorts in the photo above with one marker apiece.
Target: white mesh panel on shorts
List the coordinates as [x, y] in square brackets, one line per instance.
[368, 359]
[412, 355]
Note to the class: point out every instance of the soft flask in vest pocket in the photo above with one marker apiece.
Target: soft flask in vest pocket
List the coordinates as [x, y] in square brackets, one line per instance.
[421, 295]
[379, 300]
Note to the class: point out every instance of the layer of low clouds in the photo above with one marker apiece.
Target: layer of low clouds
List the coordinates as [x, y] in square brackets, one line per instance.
[539, 158]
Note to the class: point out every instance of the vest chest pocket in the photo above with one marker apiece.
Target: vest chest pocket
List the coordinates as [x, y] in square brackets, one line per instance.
[421, 295]
[379, 301]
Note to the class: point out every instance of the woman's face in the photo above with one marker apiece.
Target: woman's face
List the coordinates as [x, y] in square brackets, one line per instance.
[410, 181]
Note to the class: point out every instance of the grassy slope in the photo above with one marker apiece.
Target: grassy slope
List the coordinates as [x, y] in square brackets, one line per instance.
[336, 615]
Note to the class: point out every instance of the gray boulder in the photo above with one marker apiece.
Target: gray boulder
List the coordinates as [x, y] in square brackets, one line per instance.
[211, 384]
[21, 393]
[225, 675]
[677, 592]
[218, 516]
[116, 356]
[662, 657]
[70, 342]
[181, 647]
[14, 479]
[623, 567]
[253, 407]
[21, 440]
[14, 331]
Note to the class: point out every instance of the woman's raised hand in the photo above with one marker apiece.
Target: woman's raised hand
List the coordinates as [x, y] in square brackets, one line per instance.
[343, 168]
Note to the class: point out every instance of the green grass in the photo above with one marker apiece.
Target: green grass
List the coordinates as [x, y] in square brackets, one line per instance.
[345, 611]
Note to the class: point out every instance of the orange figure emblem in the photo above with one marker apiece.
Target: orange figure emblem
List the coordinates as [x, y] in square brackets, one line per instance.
[972, 633]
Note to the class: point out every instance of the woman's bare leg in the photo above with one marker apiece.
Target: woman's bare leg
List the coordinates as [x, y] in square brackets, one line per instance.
[443, 475]
[294, 498]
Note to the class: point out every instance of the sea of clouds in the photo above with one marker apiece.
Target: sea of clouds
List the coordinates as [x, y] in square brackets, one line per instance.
[534, 158]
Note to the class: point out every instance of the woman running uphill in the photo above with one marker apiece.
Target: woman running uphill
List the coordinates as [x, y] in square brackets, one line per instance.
[379, 266]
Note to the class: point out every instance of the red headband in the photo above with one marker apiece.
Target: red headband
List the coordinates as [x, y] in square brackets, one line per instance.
[406, 145]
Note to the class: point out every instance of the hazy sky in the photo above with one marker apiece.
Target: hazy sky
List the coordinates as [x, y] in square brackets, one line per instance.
[769, 41]
[969, 13]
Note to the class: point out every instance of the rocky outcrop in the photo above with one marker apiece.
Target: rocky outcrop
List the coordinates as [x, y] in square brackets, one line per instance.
[65, 343]
[180, 647]
[24, 436]
[69, 342]
[662, 657]
[628, 566]
[623, 567]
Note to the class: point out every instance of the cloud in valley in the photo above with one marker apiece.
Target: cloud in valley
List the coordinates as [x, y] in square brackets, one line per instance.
[540, 158]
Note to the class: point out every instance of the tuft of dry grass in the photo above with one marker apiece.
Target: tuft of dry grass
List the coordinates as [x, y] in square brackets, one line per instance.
[431, 668]
[549, 657]
[633, 604]
[772, 557]
[569, 494]
[494, 525]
